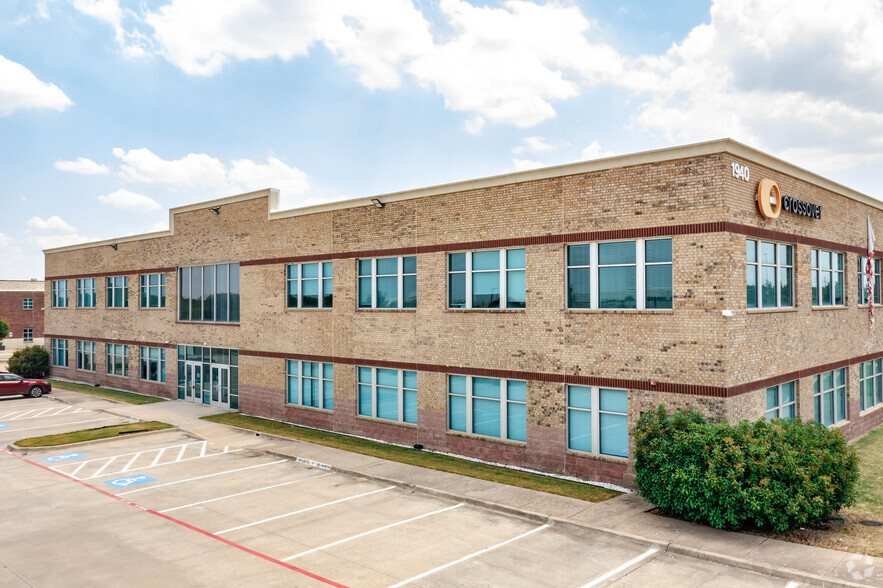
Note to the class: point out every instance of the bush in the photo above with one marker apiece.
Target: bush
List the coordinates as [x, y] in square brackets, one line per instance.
[774, 475]
[30, 362]
[4, 329]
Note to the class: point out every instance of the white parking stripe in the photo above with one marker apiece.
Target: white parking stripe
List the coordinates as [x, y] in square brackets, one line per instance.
[131, 461]
[61, 467]
[201, 477]
[156, 459]
[291, 514]
[470, 556]
[101, 469]
[62, 424]
[371, 532]
[792, 584]
[27, 412]
[246, 492]
[624, 566]
[167, 463]
[181, 453]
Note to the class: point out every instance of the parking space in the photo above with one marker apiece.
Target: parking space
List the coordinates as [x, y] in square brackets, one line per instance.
[28, 417]
[316, 525]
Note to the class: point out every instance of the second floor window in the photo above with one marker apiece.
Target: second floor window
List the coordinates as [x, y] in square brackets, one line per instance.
[769, 274]
[118, 292]
[863, 280]
[309, 285]
[827, 278]
[86, 293]
[388, 282]
[59, 293]
[27, 304]
[153, 291]
[487, 279]
[209, 293]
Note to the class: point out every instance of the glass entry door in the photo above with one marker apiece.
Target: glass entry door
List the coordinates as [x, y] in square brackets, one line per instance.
[220, 385]
[192, 381]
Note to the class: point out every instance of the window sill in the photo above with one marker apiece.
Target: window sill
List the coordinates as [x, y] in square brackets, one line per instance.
[596, 456]
[309, 408]
[840, 424]
[86, 307]
[771, 310]
[485, 438]
[386, 309]
[116, 308]
[86, 371]
[370, 419]
[151, 381]
[488, 310]
[207, 323]
[310, 309]
[152, 308]
[117, 376]
[834, 307]
[868, 411]
[662, 311]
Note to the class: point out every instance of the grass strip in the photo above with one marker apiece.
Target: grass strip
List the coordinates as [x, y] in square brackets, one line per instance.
[93, 434]
[409, 456]
[129, 397]
[869, 490]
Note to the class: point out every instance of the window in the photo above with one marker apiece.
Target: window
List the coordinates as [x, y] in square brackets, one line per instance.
[117, 359]
[389, 282]
[153, 291]
[153, 364]
[200, 360]
[28, 335]
[598, 420]
[769, 274]
[486, 279]
[305, 288]
[486, 406]
[871, 383]
[829, 396]
[863, 280]
[624, 275]
[86, 356]
[59, 352]
[59, 293]
[311, 383]
[118, 292]
[388, 394]
[781, 401]
[86, 293]
[209, 293]
[827, 278]
[27, 304]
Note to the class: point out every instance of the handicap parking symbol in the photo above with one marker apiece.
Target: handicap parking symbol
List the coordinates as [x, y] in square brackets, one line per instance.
[130, 481]
[4, 426]
[63, 457]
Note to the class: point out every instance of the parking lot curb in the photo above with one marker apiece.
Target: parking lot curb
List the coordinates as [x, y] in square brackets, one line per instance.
[17, 449]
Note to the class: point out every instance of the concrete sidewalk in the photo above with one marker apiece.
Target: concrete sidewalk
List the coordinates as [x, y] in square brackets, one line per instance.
[626, 515]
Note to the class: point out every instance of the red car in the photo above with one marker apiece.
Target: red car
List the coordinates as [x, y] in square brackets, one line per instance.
[12, 384]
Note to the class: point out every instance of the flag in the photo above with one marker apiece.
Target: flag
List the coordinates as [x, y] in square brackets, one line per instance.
[869, 272]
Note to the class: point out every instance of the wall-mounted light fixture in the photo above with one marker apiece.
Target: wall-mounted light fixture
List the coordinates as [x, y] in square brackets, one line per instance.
[216, 209]
[115, 246]
[376, 202]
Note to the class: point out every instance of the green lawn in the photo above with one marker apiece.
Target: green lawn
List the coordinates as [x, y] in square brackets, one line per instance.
[420, 458]
[870, 486]
[129, 397]
[92, 434]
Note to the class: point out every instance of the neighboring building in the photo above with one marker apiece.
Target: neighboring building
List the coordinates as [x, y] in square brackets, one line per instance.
[21, 306]
[525, 319]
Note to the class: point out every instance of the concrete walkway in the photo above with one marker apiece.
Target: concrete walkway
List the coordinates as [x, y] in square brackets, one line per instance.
[626, 515]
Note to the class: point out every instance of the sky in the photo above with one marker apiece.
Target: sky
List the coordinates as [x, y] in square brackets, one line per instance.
[114, 111]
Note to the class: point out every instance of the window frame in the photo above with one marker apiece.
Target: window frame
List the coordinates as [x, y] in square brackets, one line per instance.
[503, 271]
[27, 304]
[838, 396]
[59, 347]
[146, 362]
[401, 390]
[594, 267]
[59, 294]
[400, 276]
[863, 280]
[300, 377]
[145, 288]
[503, 402]
[111, 355]
[86, 349]
[595, 413]
[84, 290]
[113, 288]
[758, 274]
[780, 407]
[874, 377]
[816, 271]
[228, 292]
[321, 279]
[27, 335]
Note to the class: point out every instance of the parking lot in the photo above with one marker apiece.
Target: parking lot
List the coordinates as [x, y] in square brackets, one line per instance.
[170, 508]
[33, 417]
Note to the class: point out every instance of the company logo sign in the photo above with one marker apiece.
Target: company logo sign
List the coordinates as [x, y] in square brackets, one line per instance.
[771, 202]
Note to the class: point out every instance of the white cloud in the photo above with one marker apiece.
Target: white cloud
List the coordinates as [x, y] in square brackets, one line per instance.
[526, 164]
[53, 224]
[473, 126]
[131, 201]
[594, 151]
[20, 89]
[82, 165]
[159, 226]
[532, 145]
[53, 232]
[132, 43]
[248, 175]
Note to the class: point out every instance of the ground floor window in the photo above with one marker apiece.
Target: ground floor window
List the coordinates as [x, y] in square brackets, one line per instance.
[153, 364]
[28, 335]
[117, 359]
[597, 420]
[59, 352]
[86, 356]
[781, 401]
[311, 383]
[488, 406]
[829, 396]
[871, 378]
[388, 394]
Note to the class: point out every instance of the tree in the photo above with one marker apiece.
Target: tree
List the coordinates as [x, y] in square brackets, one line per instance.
[30, 362]
[4, 329]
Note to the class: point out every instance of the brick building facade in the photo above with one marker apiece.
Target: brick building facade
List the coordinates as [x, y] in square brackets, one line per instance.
[21, 306]
[525, 319]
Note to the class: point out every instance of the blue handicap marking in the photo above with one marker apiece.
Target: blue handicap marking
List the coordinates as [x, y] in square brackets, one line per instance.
[4, 426]
[63, 457]
[130, 481]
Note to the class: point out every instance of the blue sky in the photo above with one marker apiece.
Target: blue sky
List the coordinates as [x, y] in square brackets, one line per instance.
[113, 111]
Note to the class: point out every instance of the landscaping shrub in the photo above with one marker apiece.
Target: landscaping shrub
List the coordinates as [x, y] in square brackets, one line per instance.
[4, 330]
[774, 475]
[30, 362]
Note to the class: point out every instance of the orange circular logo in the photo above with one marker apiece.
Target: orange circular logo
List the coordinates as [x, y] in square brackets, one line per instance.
[769, 200]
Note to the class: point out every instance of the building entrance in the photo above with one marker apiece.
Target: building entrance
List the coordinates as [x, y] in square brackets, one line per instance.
[209, 375]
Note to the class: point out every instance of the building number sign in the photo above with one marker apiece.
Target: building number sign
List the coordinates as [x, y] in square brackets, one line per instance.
[741, 172]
